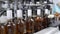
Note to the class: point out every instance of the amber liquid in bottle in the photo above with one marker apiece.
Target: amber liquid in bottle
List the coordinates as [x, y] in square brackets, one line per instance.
[29, 26]
[38, 24]
[10, 27]
[16, 25]
[4, 29]
[44, 22]
[20, 26]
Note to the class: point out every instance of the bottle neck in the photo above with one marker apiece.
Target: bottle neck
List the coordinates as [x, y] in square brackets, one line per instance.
[20, 21]
[10, 21]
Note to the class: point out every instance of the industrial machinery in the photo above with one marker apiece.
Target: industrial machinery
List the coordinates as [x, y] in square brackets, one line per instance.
[25, 16]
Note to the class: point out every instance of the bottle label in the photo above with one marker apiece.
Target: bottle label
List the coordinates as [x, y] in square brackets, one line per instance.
[38, 12]
[29, 12]
[9, 14]
[19, 13]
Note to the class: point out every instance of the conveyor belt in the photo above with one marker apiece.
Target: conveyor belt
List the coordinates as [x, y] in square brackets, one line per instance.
[50, 30]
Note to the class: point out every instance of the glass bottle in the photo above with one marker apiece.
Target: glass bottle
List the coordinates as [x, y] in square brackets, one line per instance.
[29, 22]
[45, 21]
[4, 29]
[11, 27]
[38, 20]
[20, 26]
[16, 23]
[38, 23]
[29, 26]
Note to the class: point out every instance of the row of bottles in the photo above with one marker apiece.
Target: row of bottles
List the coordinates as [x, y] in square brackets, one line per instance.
[21, 26]
[12, 28]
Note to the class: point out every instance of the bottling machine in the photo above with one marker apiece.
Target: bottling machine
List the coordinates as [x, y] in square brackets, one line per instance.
[25, 16]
